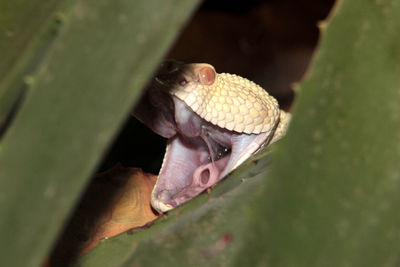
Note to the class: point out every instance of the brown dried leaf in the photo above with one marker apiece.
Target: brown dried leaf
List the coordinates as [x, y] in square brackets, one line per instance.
[116, 201]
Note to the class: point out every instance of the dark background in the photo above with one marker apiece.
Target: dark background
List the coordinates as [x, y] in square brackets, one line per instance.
[270, 42]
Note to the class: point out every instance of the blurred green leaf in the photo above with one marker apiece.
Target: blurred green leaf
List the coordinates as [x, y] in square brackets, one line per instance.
[331, 195]
[334, 192]
[26, 30]
[76, 101]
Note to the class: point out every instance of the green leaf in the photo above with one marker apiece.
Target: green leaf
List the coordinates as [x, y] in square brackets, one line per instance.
[331, 195]
[82, 92]
[27, 29]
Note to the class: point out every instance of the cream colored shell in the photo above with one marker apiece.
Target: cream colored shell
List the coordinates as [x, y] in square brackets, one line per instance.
[233, 103]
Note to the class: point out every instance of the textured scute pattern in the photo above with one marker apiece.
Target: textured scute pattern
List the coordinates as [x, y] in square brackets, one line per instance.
[233, 103]
[280, 131]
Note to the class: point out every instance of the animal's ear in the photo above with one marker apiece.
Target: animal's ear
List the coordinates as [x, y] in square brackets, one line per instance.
[207, 75]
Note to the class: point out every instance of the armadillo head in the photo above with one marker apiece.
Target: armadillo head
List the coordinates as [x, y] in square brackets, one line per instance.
[213, 123]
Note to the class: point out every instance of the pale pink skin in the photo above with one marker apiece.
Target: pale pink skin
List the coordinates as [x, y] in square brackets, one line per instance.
[199, 154]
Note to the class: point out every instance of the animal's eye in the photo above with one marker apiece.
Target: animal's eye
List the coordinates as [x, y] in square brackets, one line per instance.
[183, 82]
[207, 75]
